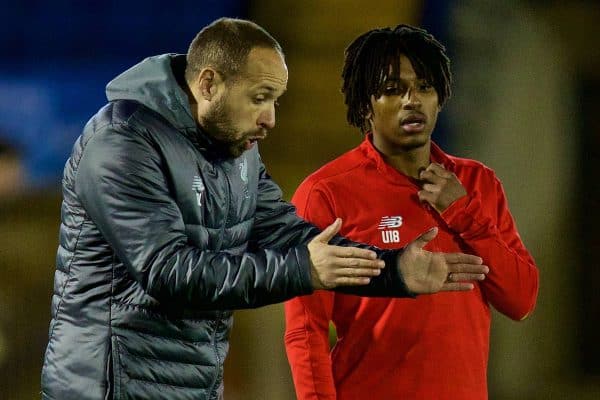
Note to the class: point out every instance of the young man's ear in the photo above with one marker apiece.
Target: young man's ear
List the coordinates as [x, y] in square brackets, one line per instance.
[208, 80]
[369, 116]
[369, 120]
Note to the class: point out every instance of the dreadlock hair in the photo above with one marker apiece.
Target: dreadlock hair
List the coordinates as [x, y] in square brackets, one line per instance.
[367, 67]
[224, 45]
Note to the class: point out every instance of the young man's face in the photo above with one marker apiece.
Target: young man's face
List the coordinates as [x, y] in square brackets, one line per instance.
[404, 116]
[245, 109]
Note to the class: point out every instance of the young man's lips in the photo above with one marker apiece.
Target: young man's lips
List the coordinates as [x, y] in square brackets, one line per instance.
[414, 119]
[414, 123]
[414, 127]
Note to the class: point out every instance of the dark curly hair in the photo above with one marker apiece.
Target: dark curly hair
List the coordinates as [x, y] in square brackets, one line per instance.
[367, 67]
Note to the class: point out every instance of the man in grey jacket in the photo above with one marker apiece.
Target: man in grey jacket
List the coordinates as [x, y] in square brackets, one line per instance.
[170, 222]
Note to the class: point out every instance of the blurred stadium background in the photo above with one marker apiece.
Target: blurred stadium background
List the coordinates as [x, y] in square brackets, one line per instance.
[527, 87]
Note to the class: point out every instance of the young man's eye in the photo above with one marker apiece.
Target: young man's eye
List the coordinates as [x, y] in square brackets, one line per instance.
[424, 86]
[259, 100]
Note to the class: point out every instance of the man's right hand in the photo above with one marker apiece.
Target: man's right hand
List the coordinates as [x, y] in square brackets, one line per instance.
[333, 266]
[427, 272]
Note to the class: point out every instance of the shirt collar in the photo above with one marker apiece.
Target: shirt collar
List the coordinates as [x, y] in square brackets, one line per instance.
[437, 155]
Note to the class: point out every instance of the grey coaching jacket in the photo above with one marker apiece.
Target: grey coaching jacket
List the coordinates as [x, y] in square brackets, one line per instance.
[160, 238]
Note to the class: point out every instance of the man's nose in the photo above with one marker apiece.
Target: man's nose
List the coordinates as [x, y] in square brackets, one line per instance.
[266, 118]
[411, 99]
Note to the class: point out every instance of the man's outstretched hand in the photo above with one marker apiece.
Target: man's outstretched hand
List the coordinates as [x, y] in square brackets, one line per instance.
[423, 271]
[430, 272]
[333, 266]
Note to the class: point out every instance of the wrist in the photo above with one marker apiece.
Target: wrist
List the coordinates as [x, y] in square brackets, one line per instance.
[394, 265]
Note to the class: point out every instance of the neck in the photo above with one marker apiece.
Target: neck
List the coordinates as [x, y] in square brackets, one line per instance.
[191, 99]
[407, 161]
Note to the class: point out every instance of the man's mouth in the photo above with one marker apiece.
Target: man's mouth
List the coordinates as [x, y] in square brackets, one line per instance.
[250, 140]
[414, 123]
[416, 118]
[258, 135]
[256, 138]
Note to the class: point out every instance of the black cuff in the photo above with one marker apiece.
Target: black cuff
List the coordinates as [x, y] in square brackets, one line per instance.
[390, 257]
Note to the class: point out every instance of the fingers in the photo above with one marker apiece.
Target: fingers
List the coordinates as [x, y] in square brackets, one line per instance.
[456, 286]
[428, 187]
[358, 272]
[461, 258]
[425, 238]
[333, 265]
[359, 263]
[329, 232]
[429, 176]
[352, 252]
[463, 277]
[467, 269]
[427, 196]
[354, 275]
[439, 170]
[354, 259]
[351, 281]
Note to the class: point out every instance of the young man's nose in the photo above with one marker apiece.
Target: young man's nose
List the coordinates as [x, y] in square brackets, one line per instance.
[411, 99]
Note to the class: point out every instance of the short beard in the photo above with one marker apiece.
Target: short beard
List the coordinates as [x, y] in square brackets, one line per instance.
[217, 123]
[414, 145]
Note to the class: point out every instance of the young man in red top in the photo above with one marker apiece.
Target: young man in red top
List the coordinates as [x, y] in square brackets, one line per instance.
[388, 190]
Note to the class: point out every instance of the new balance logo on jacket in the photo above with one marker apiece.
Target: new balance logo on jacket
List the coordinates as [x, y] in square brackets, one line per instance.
[387, 226]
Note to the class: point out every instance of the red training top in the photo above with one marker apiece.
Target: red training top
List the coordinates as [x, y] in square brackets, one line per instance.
[431, 347]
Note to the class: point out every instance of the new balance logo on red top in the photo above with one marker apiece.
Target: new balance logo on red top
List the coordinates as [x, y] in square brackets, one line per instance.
[387, 227]
[390, 222]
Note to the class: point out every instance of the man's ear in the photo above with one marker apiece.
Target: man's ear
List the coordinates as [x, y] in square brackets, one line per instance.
[369, 114]
[368, 120]
[208, 80]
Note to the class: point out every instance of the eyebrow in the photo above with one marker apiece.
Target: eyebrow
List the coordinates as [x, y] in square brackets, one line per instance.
[270, 89]
[266, 87]
[397, 80]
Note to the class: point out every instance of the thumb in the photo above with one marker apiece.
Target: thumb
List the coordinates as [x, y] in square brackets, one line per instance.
[329, 232]
[425, 238]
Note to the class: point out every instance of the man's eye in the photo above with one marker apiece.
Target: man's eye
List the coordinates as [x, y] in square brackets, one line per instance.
[390, 90]
[259, 100]
[425, 86]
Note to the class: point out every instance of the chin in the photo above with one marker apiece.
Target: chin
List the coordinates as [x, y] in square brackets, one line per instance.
[414, 143]
[235, 152]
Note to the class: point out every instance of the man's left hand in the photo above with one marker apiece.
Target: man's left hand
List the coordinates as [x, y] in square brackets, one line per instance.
[440, 187]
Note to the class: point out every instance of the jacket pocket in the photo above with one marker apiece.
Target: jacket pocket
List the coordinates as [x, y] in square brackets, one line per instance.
[146, 364]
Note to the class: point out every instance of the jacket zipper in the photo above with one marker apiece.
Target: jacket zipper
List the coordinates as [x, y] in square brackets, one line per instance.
[212, 392]
[228, 206]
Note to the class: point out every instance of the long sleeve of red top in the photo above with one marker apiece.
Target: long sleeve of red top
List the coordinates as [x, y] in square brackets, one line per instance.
[307, 317]
[512, 283]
